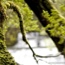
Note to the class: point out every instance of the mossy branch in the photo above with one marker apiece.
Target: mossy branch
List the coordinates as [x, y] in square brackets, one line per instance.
[16, 10]
[5, 57]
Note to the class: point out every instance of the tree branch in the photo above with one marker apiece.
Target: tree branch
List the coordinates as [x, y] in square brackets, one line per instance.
[15, 9]
[37, 6]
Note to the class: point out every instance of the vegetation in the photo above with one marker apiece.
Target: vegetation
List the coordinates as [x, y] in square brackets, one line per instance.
[30, 21]
[52, 20]
[5, 57]
[9, 5]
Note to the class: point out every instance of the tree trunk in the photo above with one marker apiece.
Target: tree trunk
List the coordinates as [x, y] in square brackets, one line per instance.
[37, 6]
[5, 57]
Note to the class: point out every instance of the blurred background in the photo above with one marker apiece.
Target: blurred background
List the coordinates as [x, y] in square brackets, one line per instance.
[39, 40]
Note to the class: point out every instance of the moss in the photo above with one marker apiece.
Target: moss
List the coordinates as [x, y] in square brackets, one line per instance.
[6, 58]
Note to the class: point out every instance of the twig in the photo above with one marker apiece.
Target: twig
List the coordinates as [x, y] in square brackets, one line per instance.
[45, 61]
[47, 56]
[15, 9]
[25, 40]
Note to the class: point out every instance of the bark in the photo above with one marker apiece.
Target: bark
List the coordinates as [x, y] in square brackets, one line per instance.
[37, 6]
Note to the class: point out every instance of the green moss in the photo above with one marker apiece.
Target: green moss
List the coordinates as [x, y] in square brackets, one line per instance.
[5, 56]
[56, 26]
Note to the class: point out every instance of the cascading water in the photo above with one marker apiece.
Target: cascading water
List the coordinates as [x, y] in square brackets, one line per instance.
[23, 55]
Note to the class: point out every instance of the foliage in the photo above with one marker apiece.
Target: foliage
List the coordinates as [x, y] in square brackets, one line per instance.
[56, 25]
[31, 24]
[30, 21]
[60, 5]
[56, 28]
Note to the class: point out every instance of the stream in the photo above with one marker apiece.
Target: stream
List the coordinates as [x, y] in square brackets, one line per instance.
[42, 45]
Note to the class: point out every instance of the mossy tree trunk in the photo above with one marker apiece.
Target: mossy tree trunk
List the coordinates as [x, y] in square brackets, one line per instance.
[5, 57]
[37, 6]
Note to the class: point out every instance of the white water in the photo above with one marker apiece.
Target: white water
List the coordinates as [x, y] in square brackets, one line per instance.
[23, 56]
